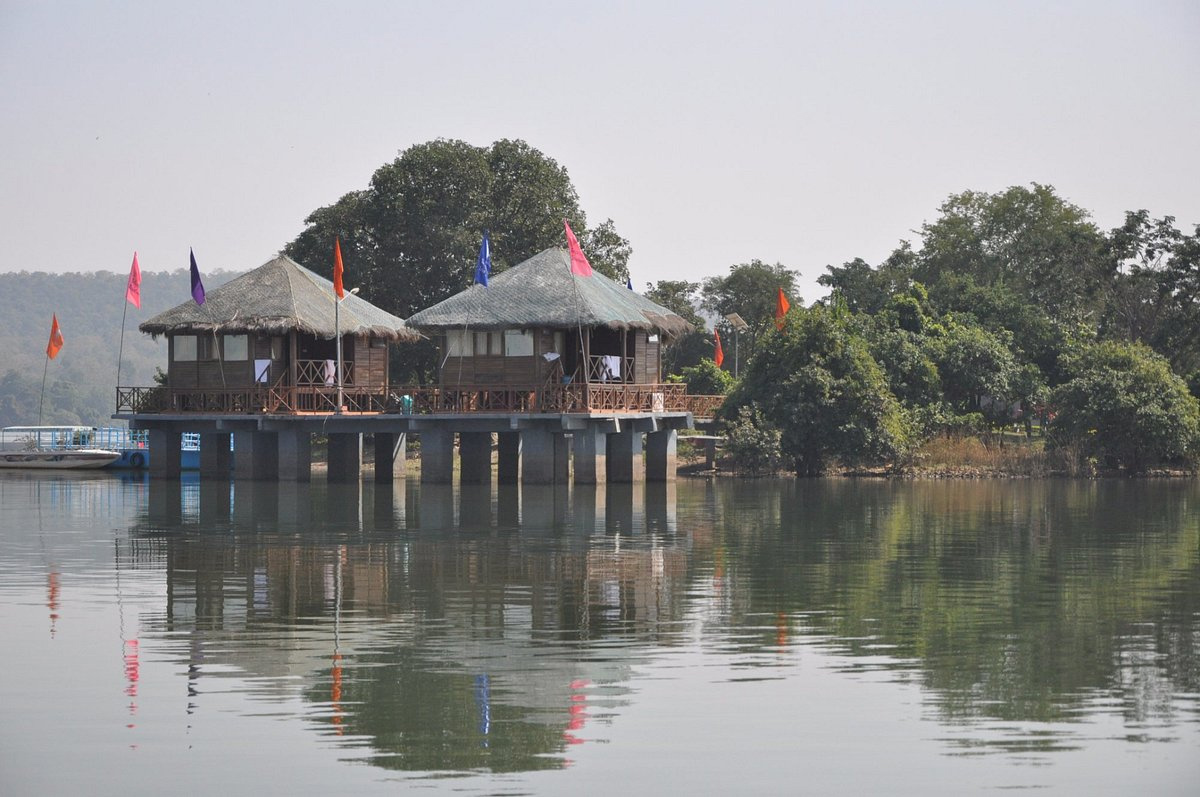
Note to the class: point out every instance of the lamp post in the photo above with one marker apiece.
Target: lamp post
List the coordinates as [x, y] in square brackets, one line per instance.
[738, 324]
[337, 334]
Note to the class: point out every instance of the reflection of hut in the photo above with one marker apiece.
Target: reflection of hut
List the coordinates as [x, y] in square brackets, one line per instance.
[267, 340]
[538, 323]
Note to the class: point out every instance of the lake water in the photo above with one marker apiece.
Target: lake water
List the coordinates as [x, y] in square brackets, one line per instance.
[765, 637]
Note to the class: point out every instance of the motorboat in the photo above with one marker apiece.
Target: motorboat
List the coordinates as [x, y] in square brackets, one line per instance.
[52, 447]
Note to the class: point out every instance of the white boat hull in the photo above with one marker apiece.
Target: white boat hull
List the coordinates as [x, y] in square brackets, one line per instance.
[65, 458]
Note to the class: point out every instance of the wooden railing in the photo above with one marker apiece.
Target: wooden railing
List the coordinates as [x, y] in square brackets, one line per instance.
[420, 399]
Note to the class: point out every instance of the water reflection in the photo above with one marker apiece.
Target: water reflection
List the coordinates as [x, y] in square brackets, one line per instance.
[437, 629]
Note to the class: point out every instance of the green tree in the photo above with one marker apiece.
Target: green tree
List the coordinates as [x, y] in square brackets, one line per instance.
[679, 296]
[978, 371]
[706, 379]
[1030, 240]
[1154, 295]
[866, 289]
[409, 240]
[816, 382]
[750, 290]
[1123, 405]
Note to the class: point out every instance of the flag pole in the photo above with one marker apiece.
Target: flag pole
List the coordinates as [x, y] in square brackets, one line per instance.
[337, 334]
[121, 348]
[42, 403]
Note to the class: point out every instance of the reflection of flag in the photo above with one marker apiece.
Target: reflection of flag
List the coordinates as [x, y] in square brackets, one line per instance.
[133, 288]
[483, 264]
[781, 309]
[579, 263]
[629, 283]
[56, 339]
[197, 285]
[337, 268]
[719, 354]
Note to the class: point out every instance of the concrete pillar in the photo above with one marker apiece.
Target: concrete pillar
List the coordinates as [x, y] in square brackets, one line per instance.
[164, 454]
[214, 455]
[295, 505]
[215, 498]
[345, 458]
[164, 503]
[660, 456]
[295, 455]
[544, 456]
[389, 456]
[435, 505]
[255, 455]
[625, 464]
[437, 456]
[591, 455]
[508, 465]
[475, 506]
[589, 508]
[475, 457]
[508, 505]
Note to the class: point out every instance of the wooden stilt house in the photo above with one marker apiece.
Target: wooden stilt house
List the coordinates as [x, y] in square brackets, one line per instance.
[267, 342]
[538, 333]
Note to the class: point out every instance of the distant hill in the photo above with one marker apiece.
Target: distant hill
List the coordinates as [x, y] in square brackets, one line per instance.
[81, 381]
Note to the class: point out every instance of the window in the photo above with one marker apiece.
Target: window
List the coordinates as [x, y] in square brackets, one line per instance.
[237, 347]
[560, 341]
[481, 344]
[518, 343]
[276, 348]
[458, 343]
[184, 348]
[206, 346]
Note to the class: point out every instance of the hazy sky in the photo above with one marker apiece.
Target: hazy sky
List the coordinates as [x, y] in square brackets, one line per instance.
[804, 133]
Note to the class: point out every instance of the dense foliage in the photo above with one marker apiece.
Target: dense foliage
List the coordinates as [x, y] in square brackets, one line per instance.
[410, 239]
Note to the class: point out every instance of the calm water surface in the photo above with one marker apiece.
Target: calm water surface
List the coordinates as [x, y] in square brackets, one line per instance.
[768, 637]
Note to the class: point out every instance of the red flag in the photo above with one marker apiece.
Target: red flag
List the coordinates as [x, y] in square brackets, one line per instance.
[719, 354]
[579, 263]
[56, 339]
[337, 268]
[781, 309]
[133, 288]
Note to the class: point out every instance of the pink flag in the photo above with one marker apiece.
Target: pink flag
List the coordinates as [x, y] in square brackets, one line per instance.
[579, 263]
[133, 288]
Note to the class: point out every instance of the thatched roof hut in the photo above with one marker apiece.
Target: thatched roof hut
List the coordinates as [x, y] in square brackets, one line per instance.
[542, 292]
[279, 297]
[537, 322]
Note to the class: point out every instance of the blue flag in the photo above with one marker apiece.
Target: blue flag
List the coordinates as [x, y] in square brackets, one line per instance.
[483, 265]
[629, 283]
[197, 285]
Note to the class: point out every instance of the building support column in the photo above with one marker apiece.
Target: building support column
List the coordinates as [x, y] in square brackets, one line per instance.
[591, 455]
[661, 464]
[508, 458]
[255, 455]
[475, 457]
[625, 464]
[295, 455]
[164, 454]
[389, 456]
[345, 457]
[214, 455]
[544, 456]
[437, 456]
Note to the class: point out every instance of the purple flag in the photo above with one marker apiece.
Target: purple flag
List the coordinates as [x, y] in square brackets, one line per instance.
[197, 285]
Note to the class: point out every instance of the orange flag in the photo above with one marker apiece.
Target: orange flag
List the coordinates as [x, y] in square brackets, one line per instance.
[56, 339]
[337, 268]
[719, 354]
[781, 309]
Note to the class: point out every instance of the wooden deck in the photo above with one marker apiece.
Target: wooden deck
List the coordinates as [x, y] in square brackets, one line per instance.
[419, 399]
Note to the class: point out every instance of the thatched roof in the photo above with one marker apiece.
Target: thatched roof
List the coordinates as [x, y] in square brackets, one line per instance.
[273, 299]
[543, 293]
